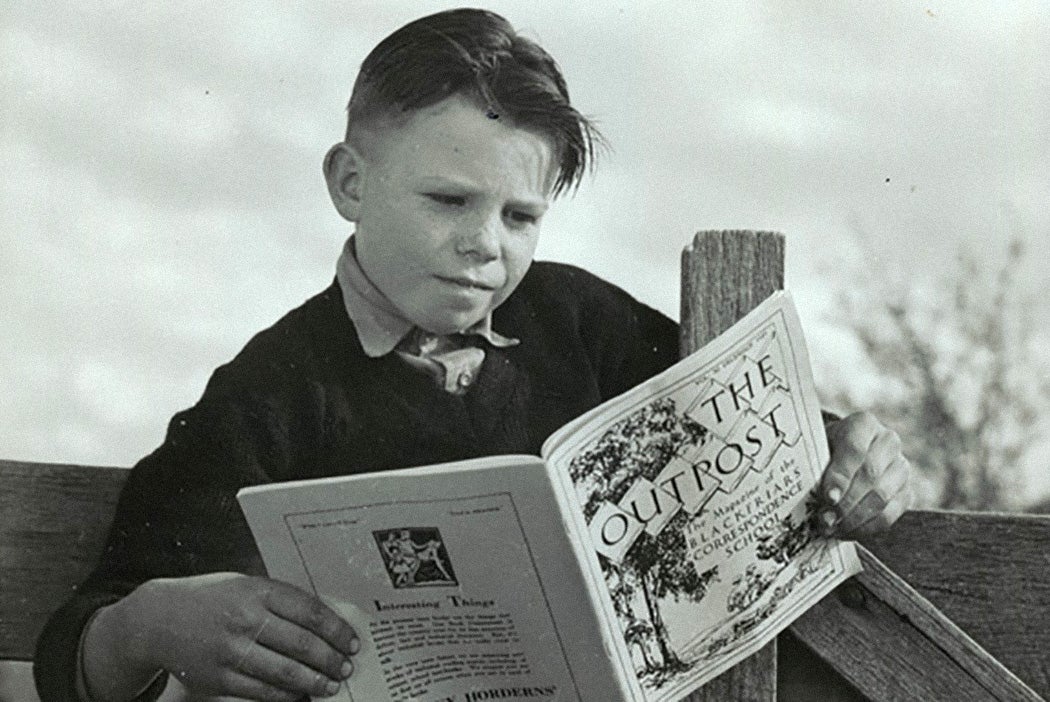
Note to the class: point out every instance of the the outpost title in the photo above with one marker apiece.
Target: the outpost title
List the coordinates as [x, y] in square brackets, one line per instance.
[749, 417]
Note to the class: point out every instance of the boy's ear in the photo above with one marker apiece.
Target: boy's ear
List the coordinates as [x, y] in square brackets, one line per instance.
[343, 168]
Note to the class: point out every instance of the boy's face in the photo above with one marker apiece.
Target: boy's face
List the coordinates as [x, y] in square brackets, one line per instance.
[448, 209]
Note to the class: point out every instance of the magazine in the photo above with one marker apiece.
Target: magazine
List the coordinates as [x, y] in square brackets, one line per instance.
[657, 541]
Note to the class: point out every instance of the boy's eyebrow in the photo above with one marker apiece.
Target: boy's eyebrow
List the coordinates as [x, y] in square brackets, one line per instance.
[465, 186]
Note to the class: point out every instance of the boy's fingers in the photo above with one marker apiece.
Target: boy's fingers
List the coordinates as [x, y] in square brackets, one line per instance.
[297, 643]
[853, 434]
[897, 506]
[274, 670]
[247, 687]
[849, 440]
[867, 497]
[853, 475]
[296, 606]
[879, 508]
[844, 513]
[835, 483]
[883, 451]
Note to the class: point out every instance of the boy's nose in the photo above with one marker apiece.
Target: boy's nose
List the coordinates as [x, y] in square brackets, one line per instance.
[480, 240]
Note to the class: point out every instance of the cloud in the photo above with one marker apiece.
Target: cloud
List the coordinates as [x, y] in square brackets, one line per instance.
[168, 200]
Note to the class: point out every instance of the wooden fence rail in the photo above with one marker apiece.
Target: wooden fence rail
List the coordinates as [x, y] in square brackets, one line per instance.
[949, 601]
[951, 605]
[879, 638]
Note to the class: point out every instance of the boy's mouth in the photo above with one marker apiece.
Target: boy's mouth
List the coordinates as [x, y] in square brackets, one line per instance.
[467, 283]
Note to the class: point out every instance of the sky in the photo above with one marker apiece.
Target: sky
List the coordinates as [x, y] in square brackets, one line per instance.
[163, 199]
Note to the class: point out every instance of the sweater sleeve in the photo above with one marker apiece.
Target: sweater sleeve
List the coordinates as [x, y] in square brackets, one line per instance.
[178, 514]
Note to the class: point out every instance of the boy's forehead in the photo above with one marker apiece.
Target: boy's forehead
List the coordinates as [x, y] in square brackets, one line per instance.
[456, 126]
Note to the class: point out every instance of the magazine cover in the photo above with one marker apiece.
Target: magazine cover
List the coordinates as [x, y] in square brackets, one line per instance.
[696, 490]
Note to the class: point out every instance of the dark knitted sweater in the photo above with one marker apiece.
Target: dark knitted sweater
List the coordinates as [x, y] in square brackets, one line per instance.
[302, 400]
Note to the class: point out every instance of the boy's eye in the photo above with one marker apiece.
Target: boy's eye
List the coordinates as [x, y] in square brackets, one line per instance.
[444, 199]
[519, 217]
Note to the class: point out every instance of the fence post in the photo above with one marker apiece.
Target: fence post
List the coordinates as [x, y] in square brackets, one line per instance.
[725, 274]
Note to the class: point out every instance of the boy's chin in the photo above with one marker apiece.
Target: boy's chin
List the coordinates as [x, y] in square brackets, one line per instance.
[455, 314]
[443, 326]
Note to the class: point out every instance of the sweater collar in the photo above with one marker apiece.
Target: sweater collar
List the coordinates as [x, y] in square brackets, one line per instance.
[380, 326]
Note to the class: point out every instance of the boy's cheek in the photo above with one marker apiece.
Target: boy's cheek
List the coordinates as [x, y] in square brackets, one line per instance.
[514, 278]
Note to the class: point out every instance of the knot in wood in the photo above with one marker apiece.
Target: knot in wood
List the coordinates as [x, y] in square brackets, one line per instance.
[852, 595]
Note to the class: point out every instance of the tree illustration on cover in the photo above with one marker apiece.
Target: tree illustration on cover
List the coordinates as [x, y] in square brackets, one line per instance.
[639, 446]
[779, 545]
[748, 588]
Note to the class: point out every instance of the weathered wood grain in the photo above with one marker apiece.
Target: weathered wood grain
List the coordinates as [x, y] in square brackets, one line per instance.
[53, 521]
[988, 573]
[754, 678]
[726, 274]
[890, 643]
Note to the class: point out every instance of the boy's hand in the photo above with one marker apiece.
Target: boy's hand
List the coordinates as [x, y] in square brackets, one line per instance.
[865, 486]
[248, 637]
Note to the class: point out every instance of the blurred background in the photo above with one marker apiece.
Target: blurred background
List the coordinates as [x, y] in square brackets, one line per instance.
[162, 199]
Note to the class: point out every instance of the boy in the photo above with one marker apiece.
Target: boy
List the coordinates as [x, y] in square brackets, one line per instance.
[439, 340]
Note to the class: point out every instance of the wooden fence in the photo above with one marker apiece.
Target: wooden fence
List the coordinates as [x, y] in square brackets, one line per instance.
[950, 606]
[888, 633]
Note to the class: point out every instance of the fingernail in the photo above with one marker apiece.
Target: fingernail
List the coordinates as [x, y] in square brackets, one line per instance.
[355, 646]
[829, 518]
[331, 688]
[347, 668]
[834, 495]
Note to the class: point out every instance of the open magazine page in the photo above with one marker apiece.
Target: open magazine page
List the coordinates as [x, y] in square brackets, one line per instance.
[439, 571]
[696, 491]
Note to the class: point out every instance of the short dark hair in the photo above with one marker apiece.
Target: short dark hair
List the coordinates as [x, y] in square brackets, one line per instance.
[479, 55]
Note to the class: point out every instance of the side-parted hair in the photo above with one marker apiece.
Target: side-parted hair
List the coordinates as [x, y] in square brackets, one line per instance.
[476, 54]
